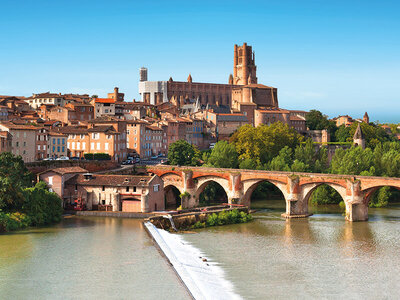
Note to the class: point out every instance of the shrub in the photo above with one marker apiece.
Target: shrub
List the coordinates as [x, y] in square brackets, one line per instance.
[225, 218]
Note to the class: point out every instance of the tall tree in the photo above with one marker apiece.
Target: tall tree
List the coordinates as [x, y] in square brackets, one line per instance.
[223, 155]
[315, 120]
[183, 154]
[14, 177]
[263, 143]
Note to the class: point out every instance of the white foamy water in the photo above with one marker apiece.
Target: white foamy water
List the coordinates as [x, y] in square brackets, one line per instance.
[204, 279]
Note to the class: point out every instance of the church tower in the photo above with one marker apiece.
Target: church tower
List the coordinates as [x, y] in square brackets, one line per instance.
[244, 68]
[358, 138]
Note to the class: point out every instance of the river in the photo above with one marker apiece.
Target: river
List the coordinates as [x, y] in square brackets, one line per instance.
[321, 257]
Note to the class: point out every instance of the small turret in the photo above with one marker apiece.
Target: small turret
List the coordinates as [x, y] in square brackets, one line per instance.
[366, 118]
[230, 79]
[358, 138]
[189, 79]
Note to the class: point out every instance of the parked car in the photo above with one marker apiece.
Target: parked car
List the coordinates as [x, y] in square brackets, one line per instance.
[63, 158]
[49, 158]
[154, 157]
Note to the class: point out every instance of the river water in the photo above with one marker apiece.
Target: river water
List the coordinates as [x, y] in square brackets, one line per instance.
[321, 257]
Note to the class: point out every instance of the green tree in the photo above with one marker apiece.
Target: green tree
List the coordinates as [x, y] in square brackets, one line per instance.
[324, 194]
[183, 154]
[354, 161]
[342, 134]
[263, 143]
[223, 155]
[380, 198]
[248, 164]
[43, 207]
[283, 161]
[14, 177]
[315, 120]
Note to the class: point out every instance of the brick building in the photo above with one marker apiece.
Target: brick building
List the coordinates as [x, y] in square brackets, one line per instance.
[23, 140]
[5, 142]
[104, 107]
[116, 192]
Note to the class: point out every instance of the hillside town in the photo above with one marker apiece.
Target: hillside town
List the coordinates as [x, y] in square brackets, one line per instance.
[78, 127]
[47, 126]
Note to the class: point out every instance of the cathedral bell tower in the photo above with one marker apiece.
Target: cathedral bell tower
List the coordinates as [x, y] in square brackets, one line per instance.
[244, 68]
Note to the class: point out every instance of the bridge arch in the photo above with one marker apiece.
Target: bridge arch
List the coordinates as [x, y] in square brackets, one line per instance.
[174, 179]
[370, 191]
[308, 189]
[172, 197]
[203, 182]
[250, 185]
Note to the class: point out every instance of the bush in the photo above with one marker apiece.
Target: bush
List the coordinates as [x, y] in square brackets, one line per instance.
[42, 206]
[14, 221]
[224, 218]
[97, 156]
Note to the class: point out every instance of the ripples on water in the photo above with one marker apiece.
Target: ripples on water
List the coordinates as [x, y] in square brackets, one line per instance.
[321, 257]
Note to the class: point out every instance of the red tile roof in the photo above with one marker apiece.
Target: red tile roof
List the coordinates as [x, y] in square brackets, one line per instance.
[104, 100]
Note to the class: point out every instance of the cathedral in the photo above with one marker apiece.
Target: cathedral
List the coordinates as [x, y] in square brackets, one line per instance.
[242, 93]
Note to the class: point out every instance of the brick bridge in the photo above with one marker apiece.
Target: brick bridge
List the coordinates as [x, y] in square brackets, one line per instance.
[356, 191]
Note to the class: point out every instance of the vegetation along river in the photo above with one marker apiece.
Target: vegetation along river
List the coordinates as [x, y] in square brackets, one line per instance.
[321, 257]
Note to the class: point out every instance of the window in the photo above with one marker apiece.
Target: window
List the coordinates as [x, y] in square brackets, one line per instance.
[63, 149]
[58, 148]
[16, 144]
[106, 146]
[78, 146]
[73, 145]
[38, 147]
[134, 189]
[63, 141]
[50, 180]
[92, 146]
[54, 148]
[156, 187]
[58, 141]
[98, 146]
[95, 136]
[127, 188]
[83, 146]
[103, 188]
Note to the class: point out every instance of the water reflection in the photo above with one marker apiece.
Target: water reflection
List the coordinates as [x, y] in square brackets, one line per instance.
[85, 258]
[298, 231]
[357, 237]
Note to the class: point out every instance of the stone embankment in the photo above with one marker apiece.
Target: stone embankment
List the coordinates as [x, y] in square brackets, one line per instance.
[188, 218]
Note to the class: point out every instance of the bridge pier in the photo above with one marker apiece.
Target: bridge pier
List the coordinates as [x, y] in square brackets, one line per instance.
[356, 212]
[356, 207]
[296, 204]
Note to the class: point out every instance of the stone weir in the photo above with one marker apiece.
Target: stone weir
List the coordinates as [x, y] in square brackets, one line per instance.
[186, 219]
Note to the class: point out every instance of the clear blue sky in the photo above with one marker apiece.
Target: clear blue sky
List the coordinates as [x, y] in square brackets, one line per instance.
[341, 57]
